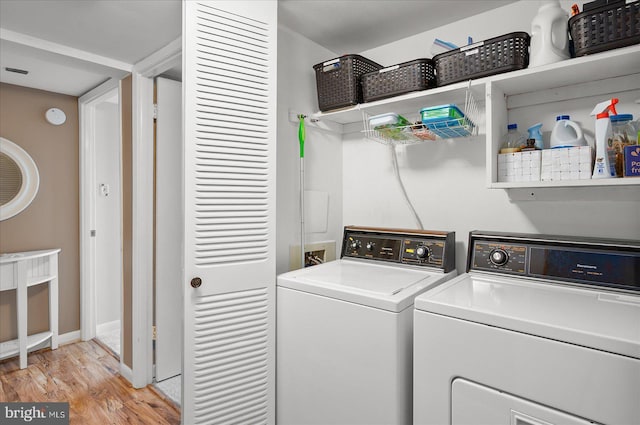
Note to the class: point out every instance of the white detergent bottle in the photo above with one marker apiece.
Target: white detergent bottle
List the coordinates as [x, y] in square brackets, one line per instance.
[549, 34]
[566, 133]
[604, 166]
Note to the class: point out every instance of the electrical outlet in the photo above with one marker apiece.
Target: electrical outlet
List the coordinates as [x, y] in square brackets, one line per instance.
[314, 253]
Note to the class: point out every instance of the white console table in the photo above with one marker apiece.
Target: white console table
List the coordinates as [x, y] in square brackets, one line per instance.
[19, 271]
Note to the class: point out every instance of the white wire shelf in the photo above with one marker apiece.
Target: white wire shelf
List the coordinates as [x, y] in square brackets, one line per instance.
[402, 135]
[418, 133]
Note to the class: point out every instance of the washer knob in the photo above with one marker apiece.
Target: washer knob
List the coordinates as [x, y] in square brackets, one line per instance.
[498, 257]
[370, 246]
[422, 252]
[356, 244]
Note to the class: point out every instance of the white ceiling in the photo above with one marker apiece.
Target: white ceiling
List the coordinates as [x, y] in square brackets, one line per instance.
[353, 26]
[72, 46]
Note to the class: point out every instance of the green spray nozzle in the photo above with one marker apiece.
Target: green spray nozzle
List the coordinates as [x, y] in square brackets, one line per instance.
[301, 134]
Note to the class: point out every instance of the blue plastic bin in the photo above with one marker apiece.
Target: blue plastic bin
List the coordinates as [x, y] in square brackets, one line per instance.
[446, 121]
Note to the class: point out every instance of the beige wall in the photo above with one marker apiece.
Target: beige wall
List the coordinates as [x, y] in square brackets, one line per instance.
[52, 220]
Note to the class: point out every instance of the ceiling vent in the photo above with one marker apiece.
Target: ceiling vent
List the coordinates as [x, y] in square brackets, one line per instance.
[17, 71]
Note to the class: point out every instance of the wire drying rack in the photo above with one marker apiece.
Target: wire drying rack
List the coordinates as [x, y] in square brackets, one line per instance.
[419, 133]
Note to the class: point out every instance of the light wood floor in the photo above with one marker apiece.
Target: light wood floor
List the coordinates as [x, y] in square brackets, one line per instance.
[86, 376]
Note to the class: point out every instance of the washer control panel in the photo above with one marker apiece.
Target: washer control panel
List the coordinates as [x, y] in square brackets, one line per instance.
[411, 247]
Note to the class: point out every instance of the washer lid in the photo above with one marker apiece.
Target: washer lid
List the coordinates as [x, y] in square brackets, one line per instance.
[383, 286]
[603, 320]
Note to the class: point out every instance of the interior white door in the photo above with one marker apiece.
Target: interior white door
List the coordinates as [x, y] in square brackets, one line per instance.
[229, 78]
[168, 266]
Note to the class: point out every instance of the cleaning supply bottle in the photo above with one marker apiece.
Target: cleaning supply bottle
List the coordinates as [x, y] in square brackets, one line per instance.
[514, 141]
[566, 133]
[535, 134]
[604, 166]
[549, 34]
[623, 134]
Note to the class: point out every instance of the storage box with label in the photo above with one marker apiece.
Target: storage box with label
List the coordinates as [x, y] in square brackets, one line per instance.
[338, 81]
[632, 161]
[506, 53]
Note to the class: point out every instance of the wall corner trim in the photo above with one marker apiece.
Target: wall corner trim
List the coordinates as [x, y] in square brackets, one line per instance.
[126, 373]
[69, 337]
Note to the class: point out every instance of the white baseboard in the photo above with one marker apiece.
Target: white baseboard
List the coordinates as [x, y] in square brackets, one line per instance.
[69, 337]
[107, 327]
[126, 372]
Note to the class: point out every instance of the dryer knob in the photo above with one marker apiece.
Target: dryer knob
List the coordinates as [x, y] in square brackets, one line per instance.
[356, 244]
[422, 252]
[370, 246]
[498, 257]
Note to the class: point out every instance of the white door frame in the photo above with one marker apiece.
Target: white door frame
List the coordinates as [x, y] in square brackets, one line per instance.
[168, 229]
[87, 118]
[142, 252]
[141, 372]
[87, 105]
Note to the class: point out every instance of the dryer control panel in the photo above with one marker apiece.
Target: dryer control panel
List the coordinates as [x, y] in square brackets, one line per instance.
[411, 247]
[612, 263]
[506, 257]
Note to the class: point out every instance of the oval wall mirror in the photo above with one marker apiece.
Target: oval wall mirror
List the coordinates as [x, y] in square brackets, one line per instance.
[19, 179]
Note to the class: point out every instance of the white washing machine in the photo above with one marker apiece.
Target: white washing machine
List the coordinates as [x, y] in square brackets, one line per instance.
[541, 330]
[345, 328]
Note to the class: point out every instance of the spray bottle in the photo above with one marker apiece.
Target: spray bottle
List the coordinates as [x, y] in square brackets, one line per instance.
[535, 134]
[605, 158]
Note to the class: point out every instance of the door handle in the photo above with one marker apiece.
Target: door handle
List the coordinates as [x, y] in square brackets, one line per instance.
[196, 282]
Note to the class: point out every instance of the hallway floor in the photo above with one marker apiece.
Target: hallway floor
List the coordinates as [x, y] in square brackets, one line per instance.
[172, 388]
[111, 339]
[86, 376]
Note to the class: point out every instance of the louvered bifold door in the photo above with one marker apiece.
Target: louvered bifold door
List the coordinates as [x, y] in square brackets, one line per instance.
[229, 80]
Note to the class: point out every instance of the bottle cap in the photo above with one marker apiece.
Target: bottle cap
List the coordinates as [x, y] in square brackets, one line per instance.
[562, 117]
[512, 126]
[621, 117]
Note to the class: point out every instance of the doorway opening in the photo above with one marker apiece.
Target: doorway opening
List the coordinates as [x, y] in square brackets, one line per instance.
[108, 224]
[101, 218]
[168, 230]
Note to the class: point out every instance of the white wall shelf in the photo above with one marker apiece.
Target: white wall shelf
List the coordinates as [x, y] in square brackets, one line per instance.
[615, 73]
[613, 182]
[607, 74]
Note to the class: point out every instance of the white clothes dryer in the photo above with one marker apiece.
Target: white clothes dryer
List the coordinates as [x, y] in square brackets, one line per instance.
[345, 328]
[540, 330]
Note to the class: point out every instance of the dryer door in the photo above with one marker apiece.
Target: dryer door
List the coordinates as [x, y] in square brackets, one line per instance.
[476, 404]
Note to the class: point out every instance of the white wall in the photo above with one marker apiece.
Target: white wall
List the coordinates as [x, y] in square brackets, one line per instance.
[446, 180]
[323, 150]
[108, 215]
